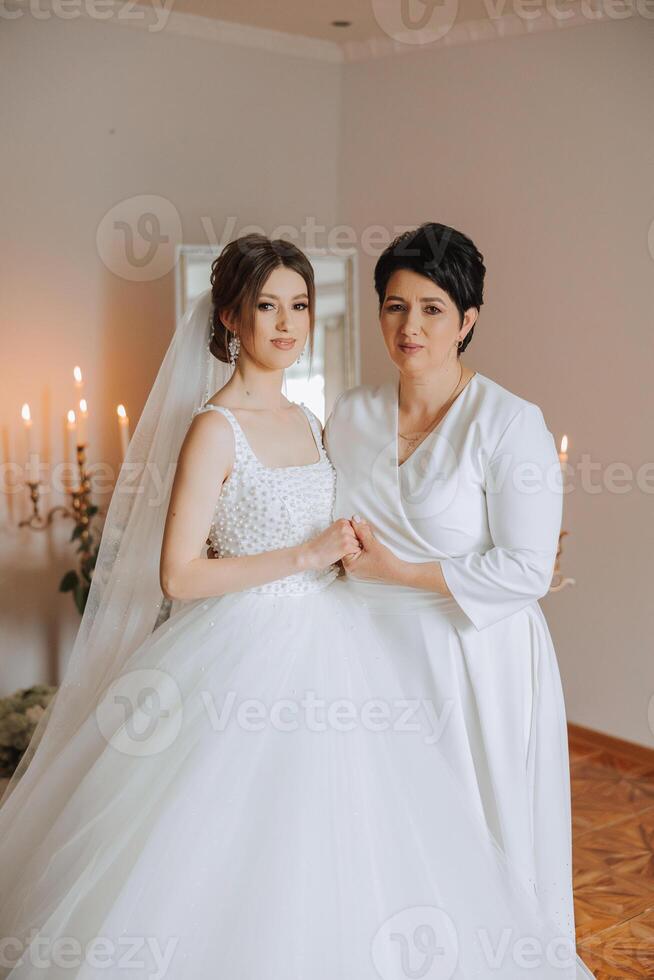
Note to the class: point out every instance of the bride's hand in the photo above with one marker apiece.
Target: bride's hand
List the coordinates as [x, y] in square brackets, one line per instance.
[374, 561]
[329, 547]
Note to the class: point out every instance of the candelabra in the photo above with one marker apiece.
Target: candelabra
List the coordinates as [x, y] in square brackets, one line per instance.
[81, 511]
[559, 581]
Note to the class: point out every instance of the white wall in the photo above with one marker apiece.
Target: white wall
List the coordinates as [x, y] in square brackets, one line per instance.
[540, 148]
[94, 114]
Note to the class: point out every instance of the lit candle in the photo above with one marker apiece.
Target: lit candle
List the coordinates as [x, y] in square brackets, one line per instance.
[79, 383]
[71, 448]
[563, 455]
[123, 425]
[30, 445]
[82, 419]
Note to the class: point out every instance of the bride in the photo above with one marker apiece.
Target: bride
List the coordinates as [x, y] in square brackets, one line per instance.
[236, 778]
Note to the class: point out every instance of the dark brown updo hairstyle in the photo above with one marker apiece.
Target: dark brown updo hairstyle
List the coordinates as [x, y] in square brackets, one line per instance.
[440, 253]
[238, 276]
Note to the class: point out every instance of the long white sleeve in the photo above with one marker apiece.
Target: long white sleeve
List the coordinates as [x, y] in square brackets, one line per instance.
[524, 500]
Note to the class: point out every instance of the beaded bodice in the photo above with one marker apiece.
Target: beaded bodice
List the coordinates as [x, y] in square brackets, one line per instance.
[262, 508]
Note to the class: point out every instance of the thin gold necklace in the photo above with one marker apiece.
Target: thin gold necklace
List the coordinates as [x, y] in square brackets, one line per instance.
[412, 442]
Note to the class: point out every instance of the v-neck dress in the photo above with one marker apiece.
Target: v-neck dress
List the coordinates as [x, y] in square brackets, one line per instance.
[482, 494]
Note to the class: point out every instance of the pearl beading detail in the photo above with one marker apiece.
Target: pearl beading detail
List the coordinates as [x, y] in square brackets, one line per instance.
[262, 508]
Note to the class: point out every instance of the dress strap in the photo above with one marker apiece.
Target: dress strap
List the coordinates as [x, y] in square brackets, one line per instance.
[240, 438]
[216, 408]
[316, 428]
[240, 442]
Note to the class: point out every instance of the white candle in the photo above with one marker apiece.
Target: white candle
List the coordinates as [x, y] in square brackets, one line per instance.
[563, 455]
[123, 426]
[79, 383]
[31, 454]
[82, 419]
[71, 449]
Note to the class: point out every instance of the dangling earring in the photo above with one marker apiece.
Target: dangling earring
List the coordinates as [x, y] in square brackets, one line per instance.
[234, 348]
[300, 357]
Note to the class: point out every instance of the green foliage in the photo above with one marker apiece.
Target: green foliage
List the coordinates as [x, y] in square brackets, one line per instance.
[19, 716]
[79, 582]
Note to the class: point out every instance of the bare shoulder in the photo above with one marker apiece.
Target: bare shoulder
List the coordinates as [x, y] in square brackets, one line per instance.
[210, 434]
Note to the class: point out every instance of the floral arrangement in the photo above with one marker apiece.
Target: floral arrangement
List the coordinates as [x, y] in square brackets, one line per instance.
[19, 716]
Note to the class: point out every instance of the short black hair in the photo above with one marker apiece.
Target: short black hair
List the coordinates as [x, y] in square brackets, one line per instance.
[440, 253]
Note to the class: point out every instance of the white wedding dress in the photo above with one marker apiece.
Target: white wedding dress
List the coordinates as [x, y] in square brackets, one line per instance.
[482, 495]
[274, 805]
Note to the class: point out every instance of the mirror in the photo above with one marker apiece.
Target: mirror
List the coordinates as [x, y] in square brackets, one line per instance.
[336, 355]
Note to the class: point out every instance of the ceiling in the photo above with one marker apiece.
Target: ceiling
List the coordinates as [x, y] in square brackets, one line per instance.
[313, 19]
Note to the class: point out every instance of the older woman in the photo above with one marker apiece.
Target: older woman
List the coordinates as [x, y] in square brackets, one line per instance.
[453, 485]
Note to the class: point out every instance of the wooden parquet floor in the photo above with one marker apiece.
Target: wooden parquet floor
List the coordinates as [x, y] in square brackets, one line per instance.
[613, 855]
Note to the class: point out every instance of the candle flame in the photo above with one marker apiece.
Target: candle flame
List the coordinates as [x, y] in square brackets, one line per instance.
[564, 444]
[71, 416]
[25, 413]
[77, 374]
[121, 411]
[83, 407]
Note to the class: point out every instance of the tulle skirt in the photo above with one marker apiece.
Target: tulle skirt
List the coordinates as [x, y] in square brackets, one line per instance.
[266, 793]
